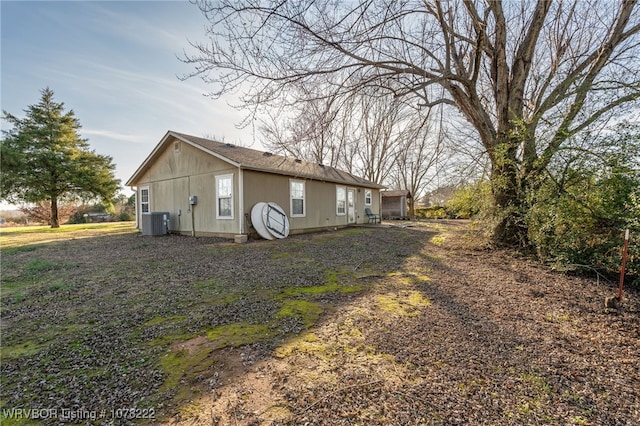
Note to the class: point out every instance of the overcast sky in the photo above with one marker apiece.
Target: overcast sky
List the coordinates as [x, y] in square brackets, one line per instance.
[115, 64]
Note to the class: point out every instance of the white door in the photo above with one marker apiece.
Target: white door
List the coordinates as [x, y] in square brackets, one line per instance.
[351, 205]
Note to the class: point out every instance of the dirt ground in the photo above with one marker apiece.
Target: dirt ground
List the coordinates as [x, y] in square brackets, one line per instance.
[404, 323]
[460, 334]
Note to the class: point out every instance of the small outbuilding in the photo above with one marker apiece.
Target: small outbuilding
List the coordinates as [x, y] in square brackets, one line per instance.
[204, 187]
[394, 204]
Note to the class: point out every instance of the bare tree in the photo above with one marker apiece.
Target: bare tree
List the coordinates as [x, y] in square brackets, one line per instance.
[526, 75]
[358, 132]
[376, 134]
[304, 130]
[420, 156]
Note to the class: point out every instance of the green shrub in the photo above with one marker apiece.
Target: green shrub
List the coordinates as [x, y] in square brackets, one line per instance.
[125, 216]
[582, 220]
[472, 200]
[433, 212]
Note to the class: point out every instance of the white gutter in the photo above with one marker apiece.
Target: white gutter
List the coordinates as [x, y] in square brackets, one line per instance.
[241, 199]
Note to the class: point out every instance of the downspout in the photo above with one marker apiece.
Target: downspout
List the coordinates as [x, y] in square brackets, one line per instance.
[241, 199]
[135, 207]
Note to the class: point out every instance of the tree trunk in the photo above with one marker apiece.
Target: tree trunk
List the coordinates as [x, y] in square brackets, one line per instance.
[510, 227]
[412, 208]
[55, 223]
[509, 201]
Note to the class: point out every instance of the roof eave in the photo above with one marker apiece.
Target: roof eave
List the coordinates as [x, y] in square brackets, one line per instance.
[311, 177]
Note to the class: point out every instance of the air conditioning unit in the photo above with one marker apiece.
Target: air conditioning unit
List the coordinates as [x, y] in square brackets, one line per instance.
[155, 223]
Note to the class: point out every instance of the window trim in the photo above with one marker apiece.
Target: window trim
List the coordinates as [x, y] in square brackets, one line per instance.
[304, 201]
[218, 197]
[370, 192]
[148, 202]
[344, 200]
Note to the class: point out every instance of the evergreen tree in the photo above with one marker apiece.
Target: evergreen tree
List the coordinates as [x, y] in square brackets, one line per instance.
[45, 159]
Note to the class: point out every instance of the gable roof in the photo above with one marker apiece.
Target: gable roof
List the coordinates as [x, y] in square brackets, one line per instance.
[396, 193]
[252, 159]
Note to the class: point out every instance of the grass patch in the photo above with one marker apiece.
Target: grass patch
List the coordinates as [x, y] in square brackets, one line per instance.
[211, 284]
[356, 231]
[37, 266]
[13, 240]
[46, 229]
[164, 320]
[19, 350]
[13, 288]
[22, 249]
[38, 341]
[61, 285]
[438, 240]
[7, 419]
[213, 292]
[533, 400]
[538, 383]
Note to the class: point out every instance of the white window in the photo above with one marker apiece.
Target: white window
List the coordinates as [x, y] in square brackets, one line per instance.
[224, 197]
[144, 199]
[297, 198]
[341, 200]
[367, 197]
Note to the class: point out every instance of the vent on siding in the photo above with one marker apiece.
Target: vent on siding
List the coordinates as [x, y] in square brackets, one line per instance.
[177, 147]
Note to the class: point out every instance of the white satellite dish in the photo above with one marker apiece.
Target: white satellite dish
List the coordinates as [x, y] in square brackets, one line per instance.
[275, 220]
[258, 224]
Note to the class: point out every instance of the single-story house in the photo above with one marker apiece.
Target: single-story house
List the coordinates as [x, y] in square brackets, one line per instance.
[209, 188]
[394, 204]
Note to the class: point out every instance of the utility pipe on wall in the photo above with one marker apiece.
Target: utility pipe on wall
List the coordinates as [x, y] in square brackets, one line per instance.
[193, 222]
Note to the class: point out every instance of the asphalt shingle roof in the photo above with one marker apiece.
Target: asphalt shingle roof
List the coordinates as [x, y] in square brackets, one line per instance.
[252, 159]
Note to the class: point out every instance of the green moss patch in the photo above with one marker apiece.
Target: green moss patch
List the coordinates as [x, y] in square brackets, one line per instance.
[308, 343]
[183, 369]
[406, 303]
[238, 334]
[332, 284]
[408, 279]
[307, 311]
[168, 339]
